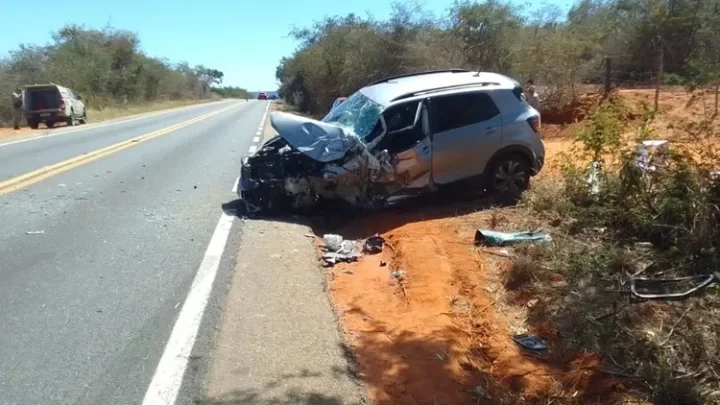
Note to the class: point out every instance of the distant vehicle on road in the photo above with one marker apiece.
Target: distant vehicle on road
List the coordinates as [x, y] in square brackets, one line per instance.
[262, 96]
[50, 103]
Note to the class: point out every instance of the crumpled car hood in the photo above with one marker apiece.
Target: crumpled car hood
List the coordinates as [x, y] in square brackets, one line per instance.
[318, 140]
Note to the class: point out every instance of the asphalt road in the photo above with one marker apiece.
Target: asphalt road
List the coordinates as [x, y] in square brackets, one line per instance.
[97, 257]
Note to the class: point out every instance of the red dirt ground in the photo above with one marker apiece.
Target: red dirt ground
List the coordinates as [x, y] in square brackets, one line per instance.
[443, 331]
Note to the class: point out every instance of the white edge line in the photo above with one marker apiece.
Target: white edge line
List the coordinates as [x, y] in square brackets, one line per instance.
[256, 139]
[252, 149]
[235, 186]
[166, 381]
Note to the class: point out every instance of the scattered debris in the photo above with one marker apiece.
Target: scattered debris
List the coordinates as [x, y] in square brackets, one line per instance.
[493, 238]
[275, 256]
[643, 245]
[651, 155]
[333, 242]
[530, 342]
[339, 250]
[398, 274]
[594, 177]
[644, 282]
[383, 263]
[34, 232]
[373, 244]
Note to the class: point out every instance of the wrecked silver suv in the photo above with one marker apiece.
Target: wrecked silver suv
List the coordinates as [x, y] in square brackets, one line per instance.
[396, 137]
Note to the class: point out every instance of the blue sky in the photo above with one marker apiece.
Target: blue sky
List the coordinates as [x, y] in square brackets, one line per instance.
[244, 39]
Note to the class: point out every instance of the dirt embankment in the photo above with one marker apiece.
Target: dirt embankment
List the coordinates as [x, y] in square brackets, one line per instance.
[439, 331]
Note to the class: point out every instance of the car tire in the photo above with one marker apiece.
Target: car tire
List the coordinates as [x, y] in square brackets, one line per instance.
[33, 124]
[84, 119]
[509, 177]
[50, 124]
[71, 119]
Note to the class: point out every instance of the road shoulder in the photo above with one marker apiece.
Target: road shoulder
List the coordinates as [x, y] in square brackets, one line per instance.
[279, 341]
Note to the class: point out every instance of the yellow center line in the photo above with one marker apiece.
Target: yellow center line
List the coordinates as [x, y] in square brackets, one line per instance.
[36, 176]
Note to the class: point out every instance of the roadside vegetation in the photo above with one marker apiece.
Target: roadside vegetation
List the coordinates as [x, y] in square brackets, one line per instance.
[109, 69]
[340, 54]
[631, 224]
[441, 335]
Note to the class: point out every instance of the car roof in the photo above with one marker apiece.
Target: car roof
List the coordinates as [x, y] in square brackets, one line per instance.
[41, 86]
[387, 91]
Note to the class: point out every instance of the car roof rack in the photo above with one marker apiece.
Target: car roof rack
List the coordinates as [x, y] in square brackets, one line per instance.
[444, 88]
[387, 79]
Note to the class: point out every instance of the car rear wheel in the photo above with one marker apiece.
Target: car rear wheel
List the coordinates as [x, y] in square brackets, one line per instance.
[71, 119]
[84, 119]
[508, 177]
[50, 124]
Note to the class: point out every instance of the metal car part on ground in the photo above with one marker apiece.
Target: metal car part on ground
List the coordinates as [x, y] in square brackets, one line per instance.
[408, 135]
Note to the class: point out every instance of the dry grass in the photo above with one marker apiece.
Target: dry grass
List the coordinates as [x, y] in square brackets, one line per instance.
[672, 347]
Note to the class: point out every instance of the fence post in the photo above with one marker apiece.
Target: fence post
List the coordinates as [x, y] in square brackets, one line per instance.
[661, 67]
[608, 73]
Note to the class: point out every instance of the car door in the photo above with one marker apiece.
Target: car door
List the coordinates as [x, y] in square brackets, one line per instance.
[466, 131]
[408, 143]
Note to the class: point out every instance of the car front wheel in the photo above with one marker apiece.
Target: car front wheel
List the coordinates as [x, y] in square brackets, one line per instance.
[509, 176]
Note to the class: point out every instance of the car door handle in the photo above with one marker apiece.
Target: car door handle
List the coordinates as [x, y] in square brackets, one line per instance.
[490, 130]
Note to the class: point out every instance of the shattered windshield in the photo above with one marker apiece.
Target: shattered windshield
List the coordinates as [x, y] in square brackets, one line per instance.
[358, 113]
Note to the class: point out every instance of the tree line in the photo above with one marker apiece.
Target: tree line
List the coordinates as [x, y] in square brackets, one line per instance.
[340, 54]
[107, 67]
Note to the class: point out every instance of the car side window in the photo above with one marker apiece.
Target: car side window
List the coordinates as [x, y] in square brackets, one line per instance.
[402, 130]
[461, 110]
[400, 116]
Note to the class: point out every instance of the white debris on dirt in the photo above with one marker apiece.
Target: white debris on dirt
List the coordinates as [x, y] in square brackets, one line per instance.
[338, 249]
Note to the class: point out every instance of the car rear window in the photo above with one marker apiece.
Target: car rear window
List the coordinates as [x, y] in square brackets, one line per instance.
[42, 99]
[461, 110]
